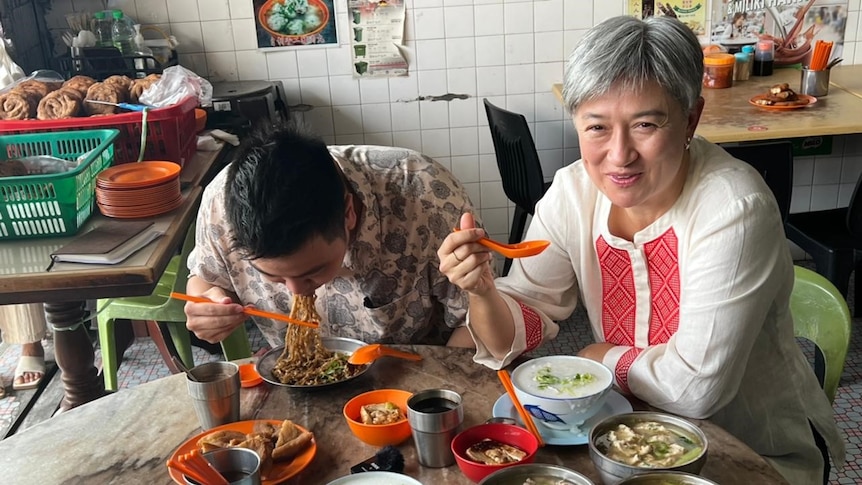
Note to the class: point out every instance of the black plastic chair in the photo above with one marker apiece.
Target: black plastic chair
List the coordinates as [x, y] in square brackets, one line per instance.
[774, 161]
[519, 166]
[833, 238]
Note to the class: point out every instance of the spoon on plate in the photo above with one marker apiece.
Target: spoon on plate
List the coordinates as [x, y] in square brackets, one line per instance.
[370, 353]
[517, 250]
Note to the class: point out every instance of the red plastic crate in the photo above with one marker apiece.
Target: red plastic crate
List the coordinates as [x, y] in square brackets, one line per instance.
[171, 132]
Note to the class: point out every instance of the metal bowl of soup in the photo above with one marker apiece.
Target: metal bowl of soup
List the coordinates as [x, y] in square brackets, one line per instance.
[539, 473]
[666, 478]
[638, 442]
[340, 345]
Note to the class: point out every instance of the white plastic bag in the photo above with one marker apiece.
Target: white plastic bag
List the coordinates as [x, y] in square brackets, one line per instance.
[9, 71]
[175, 84]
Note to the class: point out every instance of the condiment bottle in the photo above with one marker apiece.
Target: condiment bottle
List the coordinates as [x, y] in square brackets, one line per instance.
[749, 49]
[764, 57]
[718, 70]
[742, 68]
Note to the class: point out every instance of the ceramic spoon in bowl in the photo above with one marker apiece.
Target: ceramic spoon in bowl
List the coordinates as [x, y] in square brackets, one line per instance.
[372, 352]
[517, 250]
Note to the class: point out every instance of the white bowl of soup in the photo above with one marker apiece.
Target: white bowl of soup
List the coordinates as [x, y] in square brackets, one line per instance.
[639, 442]
[562, 391]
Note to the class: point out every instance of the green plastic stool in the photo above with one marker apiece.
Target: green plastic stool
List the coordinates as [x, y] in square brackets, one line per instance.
[820, 314]
[160, 307]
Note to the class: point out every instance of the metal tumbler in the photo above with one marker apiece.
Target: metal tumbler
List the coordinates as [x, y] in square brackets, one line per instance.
[814, 83]
[435, 416]
[216, 394]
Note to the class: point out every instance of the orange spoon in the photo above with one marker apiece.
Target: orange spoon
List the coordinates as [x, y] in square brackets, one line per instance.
[517, 250]
[372, 352]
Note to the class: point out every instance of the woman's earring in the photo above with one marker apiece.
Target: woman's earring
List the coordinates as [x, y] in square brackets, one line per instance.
[687, 143]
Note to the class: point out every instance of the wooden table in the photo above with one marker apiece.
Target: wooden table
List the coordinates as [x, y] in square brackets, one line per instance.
[848, 78]
[64, 289]
[729, 117]
[126, 437]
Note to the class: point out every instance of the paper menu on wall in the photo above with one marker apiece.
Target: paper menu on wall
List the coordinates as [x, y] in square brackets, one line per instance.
[376, 33]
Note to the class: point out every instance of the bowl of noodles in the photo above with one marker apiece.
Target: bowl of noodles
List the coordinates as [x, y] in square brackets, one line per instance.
[292, 19]
[322, 367]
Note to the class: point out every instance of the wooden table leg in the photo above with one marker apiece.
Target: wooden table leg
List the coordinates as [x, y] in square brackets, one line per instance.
[74, 354]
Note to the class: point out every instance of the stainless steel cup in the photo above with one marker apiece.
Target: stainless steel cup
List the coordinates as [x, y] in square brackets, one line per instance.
[435, 416]
[216, 395]
[239, 466]
[814, 83]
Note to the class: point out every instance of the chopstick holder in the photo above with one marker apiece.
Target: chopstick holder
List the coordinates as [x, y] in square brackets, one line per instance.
[196, 462]
[247, 311]
[503, 374]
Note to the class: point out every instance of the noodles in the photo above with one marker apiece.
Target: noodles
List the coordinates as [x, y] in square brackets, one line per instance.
[305, 361]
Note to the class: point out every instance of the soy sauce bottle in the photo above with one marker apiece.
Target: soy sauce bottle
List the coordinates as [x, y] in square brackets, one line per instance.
[764, 58]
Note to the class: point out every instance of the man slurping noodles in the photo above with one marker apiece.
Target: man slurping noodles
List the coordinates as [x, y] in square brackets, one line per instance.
[305, 361]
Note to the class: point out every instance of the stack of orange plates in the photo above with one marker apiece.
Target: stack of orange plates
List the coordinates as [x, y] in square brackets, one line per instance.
[143, 189]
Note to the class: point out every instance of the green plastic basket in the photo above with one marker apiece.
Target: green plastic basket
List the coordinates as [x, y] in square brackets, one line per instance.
[58, 204]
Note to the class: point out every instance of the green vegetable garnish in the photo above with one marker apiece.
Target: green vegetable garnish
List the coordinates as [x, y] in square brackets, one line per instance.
[562, 385]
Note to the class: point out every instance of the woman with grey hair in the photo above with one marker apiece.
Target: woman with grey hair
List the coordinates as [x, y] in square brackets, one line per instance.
[669, 243]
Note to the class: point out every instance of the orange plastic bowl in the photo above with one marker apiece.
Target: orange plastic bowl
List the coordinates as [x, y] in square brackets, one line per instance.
[248, 376]
[200, 120]
[504, 433]
[263, 13]
[378, 434]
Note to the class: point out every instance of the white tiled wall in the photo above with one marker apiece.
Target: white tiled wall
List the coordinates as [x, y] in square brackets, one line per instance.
[509, 51]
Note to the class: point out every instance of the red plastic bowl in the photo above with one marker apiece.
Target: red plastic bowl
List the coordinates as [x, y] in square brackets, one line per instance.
[504, 433]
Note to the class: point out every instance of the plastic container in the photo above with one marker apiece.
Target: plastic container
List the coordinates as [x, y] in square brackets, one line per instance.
[170, 131]
[102, 30]
[123, 34]
[718, 70]
[742, 68]
[749, 49]
[52, 204]
[764, 58]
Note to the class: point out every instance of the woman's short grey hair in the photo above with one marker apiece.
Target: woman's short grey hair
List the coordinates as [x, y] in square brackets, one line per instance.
[635, 52]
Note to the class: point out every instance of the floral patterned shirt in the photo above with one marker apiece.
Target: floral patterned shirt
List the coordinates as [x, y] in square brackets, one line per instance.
[389, 288]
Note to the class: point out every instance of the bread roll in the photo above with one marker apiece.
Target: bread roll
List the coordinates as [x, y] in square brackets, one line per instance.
[110, 93]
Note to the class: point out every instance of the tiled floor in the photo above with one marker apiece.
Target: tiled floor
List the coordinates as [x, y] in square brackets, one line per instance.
[143, 363]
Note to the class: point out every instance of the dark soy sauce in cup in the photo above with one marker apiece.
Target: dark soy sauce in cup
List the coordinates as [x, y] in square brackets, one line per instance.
[434, 405]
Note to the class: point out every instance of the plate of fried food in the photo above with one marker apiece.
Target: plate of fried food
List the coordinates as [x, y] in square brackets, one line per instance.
[284, 447]
[781, 97]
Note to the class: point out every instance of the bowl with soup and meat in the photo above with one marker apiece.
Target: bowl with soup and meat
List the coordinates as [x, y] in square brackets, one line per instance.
[536, 474]
[562, 391]
[486, 448]
[634, 443]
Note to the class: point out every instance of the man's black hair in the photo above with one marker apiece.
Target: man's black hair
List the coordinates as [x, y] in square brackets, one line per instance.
[282, 189]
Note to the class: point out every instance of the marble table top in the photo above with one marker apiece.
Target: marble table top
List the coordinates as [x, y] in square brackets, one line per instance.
[127, 437]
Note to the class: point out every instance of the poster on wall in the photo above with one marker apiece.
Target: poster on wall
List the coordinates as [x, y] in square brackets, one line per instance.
[795, 25]
[689, 12]
[292, 23]
[376, 37]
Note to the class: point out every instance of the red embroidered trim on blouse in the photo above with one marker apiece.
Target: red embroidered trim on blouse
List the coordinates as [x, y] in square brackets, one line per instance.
[663, 268]
[532, 327]
[622, 370]
[618, 294]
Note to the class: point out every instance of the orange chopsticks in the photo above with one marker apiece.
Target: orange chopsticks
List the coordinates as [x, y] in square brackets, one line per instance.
[503, 374]
[247, 310]
[196, 467]
[820, 57]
